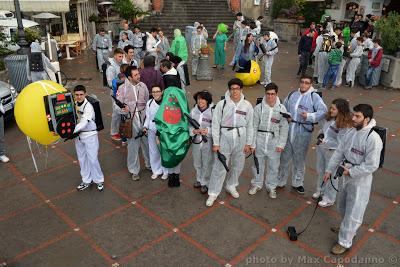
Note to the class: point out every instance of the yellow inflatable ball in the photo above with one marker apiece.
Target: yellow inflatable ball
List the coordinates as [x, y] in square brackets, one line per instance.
[30, 112]
[252, 77]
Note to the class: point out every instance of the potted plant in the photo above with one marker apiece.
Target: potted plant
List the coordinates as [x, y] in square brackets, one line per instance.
[127, 10]
[389, 32]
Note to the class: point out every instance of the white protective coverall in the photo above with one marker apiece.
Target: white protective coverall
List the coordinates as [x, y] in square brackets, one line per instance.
[154, 153]
[268, 59]
[232, 129]
[363, 153]
[87, 144]
[332, 137]
[270, 132]
[111, 73]
[202, 152]
[353, 64]
[136, 97]
[299, 133]
[103, 46]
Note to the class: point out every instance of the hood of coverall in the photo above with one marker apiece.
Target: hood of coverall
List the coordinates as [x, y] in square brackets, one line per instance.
[35, 47]
[177, 33]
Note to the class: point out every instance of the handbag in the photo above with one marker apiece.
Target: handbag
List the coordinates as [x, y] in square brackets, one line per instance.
[125, 127]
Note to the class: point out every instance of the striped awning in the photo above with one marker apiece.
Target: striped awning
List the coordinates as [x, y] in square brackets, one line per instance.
[37, 5]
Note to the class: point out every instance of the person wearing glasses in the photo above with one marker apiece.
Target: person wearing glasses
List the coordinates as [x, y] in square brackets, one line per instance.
[232, 132]
[135, 95]
[270, 135]
[149, 128]
[305, 108]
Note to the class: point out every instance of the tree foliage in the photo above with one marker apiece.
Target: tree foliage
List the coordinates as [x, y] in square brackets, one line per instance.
[389, 30]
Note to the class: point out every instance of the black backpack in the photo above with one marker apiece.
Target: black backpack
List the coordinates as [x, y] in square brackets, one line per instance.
[382, 132]
[36, 61]
[97, 111]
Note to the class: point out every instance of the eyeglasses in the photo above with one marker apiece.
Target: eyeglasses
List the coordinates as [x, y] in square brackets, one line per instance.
[305, 82]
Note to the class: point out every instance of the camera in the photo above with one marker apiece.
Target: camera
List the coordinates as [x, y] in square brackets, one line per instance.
[339, 172]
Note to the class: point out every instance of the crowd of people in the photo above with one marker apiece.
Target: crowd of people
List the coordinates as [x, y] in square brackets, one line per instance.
[276, 134]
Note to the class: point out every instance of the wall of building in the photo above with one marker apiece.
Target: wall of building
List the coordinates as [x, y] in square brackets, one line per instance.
[366, 7]
[252, 10]
[143, 4]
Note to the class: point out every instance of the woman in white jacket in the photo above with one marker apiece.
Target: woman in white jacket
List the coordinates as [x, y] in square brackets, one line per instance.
[202, 151]
[337, 123]
[151, 130]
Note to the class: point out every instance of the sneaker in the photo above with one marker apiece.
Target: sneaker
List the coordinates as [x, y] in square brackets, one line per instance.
[210, 201]
[253, 190]
[4, 159]
[272, 193]
[233, 192]
[82, 186]
[135, 177]
[116, 137]
[164, 176]
[368, 87]
[124, 143]
[197, 184]
[325, 204]
[338, 249]
[262, 83]
[280, 186]
[204, 189]
[148, 168]
[100, 186]
[154, 176]
[299, 189]
[316, 195]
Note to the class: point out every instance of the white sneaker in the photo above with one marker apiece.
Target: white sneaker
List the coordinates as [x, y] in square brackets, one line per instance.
[164, 176]
[210, 200]
[233, 192]
[316, 195]
[154, 176]
[324, 204]
[262, 83]
[4, 159]
[272, 193]
[253, 190]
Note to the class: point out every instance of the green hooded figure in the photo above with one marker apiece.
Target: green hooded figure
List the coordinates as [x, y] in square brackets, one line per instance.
[178, 46]
[172, 126]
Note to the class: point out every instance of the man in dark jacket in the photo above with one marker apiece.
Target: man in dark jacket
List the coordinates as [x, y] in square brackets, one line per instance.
[170, 75]
[304, 51]
[149, 76]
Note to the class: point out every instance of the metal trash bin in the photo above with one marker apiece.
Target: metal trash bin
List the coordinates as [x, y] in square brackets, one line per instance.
[18, 71]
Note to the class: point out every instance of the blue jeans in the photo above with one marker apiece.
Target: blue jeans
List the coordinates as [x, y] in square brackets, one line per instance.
[331, 74]
[368, 76]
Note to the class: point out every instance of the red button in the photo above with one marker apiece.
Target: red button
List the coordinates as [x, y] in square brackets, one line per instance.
[63, 124]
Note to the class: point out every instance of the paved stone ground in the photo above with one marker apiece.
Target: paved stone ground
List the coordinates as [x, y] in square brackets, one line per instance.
[44, 221]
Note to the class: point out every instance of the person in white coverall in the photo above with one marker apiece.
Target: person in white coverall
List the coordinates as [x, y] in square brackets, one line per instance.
[150, 129]
[135, 95]
[359, 152]
[202, 151]
[355, 60]
[102, 44]
[270, 135]
[232, 132]
[87, 142]
[306, 108]
[336, 124]
[268, 59]
[198, 41]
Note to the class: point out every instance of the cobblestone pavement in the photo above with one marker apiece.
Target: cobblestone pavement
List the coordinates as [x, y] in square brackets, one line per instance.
[44, 221]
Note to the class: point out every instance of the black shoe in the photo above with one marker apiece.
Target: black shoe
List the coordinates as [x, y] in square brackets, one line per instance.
[348, 84]
[170, 180]
[177, 181]
[204, 189]
[299, 189]
[197, 184]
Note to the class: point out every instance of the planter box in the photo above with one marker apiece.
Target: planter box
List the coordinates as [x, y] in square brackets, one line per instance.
[390, 75]
[287, 29]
